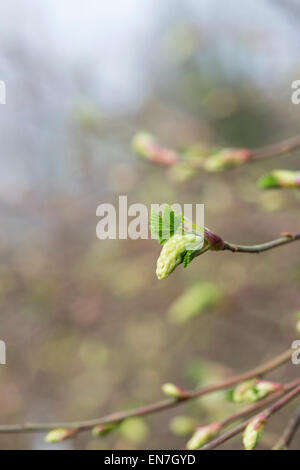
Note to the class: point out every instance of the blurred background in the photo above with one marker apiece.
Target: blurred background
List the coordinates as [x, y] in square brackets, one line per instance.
[88, 327]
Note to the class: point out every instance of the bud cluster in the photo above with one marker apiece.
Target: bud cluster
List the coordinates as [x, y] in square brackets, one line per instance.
[227, 158]
[253, 390]
[280, 179]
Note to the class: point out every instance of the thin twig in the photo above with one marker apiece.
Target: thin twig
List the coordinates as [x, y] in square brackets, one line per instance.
[152, 408]
[283, 240]
[240, 427]
[285, 146]
[161, 155]
[260, 404]
[289, 432]
[251, 409]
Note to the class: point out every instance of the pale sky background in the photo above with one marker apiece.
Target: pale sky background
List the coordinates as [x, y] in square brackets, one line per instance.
[55, 52]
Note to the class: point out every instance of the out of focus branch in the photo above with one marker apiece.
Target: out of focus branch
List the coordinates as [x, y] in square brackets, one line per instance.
[205, 434]
[211, 160]
[260, 418]
[101, 426]
[289, 432]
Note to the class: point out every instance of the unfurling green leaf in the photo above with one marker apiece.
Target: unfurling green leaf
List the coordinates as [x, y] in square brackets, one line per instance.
[174, 251]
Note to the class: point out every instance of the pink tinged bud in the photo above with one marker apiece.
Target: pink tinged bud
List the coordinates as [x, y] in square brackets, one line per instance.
[60, 434]
[253, 431]
[280, 179]
[227, 158]
[103, 429]
[145, 146]
[243, 391]
[141, 142]
[264, 387]
[254, 390]
[203, 435]
[215, 241]
[182, 425]
[174, 391]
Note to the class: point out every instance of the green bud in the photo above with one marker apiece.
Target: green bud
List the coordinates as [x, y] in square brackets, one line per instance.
[181, 172]
[263, 388]
[172, 390]
[241, 393]
[135, 430]
[196, 154]
[253, 432]
[141, 142]
[253, 390]
[103, 429]
[203, 435]
[226, 158]
[194, 301]
[280, 179]
[182, 425]
[173, 252]
[145, 146]
[60, 434]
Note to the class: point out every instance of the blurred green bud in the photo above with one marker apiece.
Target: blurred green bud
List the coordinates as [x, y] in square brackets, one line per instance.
[181, 172]
[203, 435]
[253, 390]
[145, 146]
[59, 435]
[172, 390]
[280, 179]
[182, 425]
[103, 429]
[134, 430]
[196, 154]
[242, 391]
[174, 250]
[263, 388]
[141, 142]
[253, 431]
[226, 158]
[194, 301]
